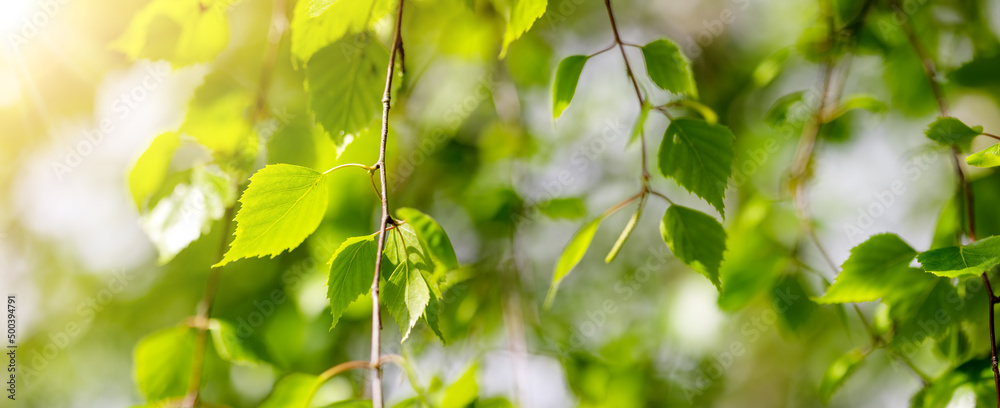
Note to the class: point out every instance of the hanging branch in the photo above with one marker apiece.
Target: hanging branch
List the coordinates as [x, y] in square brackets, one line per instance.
[376, 372]
[200, 322]
[644, 177]
[930, 71]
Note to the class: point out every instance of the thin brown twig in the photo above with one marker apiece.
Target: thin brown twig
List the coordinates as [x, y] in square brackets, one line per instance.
[376, 379]
[931, 73]
[635, 85]
[200, 322]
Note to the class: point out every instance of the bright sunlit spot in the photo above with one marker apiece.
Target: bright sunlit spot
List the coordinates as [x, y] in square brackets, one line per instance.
[14, 14]
[694, 316]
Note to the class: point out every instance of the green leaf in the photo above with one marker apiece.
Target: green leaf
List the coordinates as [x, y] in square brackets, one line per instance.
[352, 269]
[567, 208]
[462, 392]
[629, 227]
[668, 68]
[151, 169]
[976, 373]
[918, 309]
[640, 122]
[183, 32]
[345, 82]
[952, 132]
[567, 76]
[291, 391]
[280, 208]
[988, 157]
[695, 238]
[432, 317]
[523, 14]
[960, 261]
[699, 156]
[838, 372]
[406, 296]
[572, 255]
[163, 363]
[231, 346]
[876, 267]
[180, 218]
[433, 238]
[318, 23]
[217, 119]
[404, 245]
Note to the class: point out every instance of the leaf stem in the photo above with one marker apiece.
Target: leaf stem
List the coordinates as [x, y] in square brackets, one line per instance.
[622, 204]
[335, 168]
[376, 379]
[990, 135]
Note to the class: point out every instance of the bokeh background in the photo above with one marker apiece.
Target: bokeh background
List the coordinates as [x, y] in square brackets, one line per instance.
[474, 145]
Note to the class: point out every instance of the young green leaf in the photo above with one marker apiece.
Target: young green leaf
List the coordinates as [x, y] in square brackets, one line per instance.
[405, 294]
[231, 346]
[404, 245]
[696, 239]
[838, 372]
[463, 392]
[572, 255]
[163, 363]
[699, 156]
[952, 132]
[290, 391]
[988, 157]
[352, 268]
[431, 316]
[151, 169]
[668, 68]
[876, 267]
[180, 218]
[282, 205]
[960, 261]
[318, 23]
[567, 75]
[625, 234]
[345, 81]
[925, 298]
[432, 236]
[198, 30]
[523, 14]
[640, 123]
